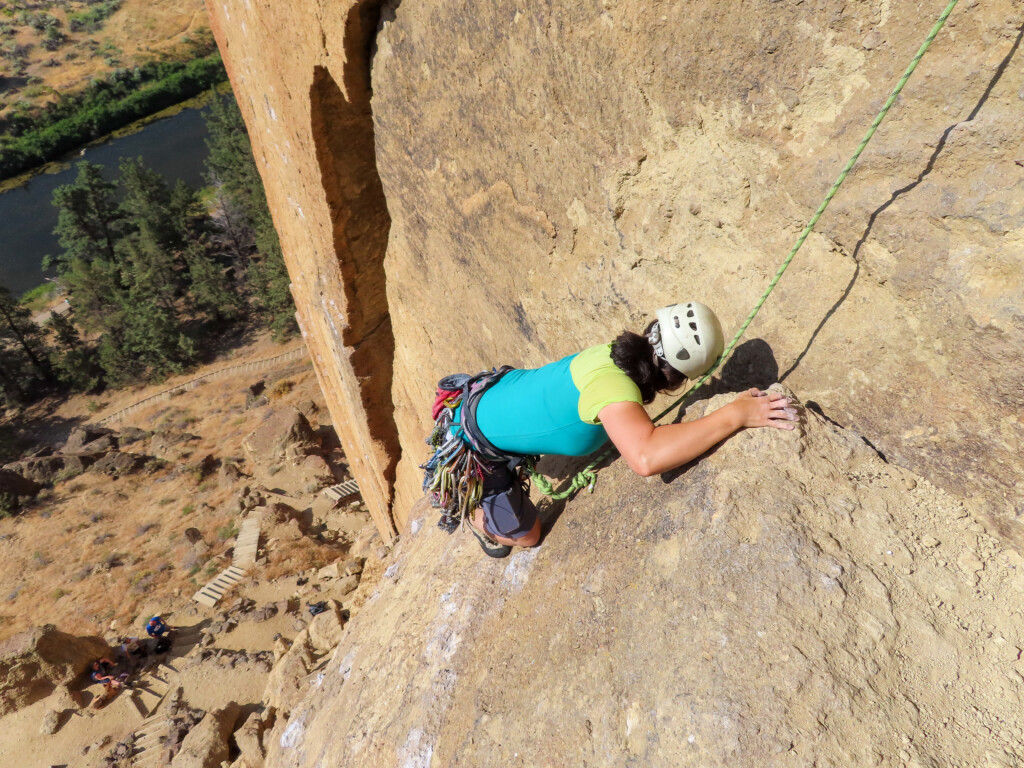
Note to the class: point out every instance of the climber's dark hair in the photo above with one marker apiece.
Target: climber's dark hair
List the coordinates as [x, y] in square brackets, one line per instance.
[634, 355]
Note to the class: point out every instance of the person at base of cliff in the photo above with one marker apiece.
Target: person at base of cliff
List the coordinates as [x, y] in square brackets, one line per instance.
[578, 402]
[102, 672]
[134, 652]
[156, 627]
[160, 631]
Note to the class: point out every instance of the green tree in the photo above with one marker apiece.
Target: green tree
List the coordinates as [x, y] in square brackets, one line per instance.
[89, 223]
[211, 289]
[18, 332]
[74, 362]
[233, 170]
[269, 281]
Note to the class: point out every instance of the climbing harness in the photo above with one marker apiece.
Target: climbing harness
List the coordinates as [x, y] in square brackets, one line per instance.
[456, 475]
[588, 476]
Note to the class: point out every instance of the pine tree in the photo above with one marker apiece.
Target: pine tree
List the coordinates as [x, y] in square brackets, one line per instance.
[74, 362]
[211, 290]
[233, 169]
[18, 332]
[230, 162]
[90, 223]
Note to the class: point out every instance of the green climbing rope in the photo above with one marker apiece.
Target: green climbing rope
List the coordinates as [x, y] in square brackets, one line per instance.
[588, 476]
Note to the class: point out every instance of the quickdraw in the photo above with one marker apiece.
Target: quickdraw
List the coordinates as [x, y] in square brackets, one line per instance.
[455, 475]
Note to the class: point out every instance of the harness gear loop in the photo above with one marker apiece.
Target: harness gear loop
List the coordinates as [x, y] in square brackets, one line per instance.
[588, 475]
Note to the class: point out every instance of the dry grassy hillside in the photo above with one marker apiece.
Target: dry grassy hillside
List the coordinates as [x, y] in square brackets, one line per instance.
[51, 47]
[96, 550]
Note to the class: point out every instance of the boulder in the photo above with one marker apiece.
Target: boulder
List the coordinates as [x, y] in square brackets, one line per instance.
[285, 435]
[346, 585]
[17, 486]
[33, 663]
[249, 739]
[284, 523]
[51, 722]
[230, 474]
[326, 629]
[100, 445]
[308, 408]
[169, 444]
[83, 435]
[286, 682]
[315, 473]
[47, 470]
[206, 745]
[254, 395]
[249, 498]
[117, 463]
[133, 435]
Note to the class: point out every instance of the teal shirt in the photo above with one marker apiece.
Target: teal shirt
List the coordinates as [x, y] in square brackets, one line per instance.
[554, 408]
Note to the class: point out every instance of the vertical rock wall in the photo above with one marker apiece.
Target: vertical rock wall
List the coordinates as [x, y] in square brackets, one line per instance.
[302, 81]
[550, 175]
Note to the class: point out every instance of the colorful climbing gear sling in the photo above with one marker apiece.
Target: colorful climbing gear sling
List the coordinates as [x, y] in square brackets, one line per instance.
[465, 467]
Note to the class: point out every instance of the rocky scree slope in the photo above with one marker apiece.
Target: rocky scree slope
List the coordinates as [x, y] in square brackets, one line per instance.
[790, 599]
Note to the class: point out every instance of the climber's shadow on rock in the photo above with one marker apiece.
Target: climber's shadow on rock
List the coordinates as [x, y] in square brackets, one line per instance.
[752, 364]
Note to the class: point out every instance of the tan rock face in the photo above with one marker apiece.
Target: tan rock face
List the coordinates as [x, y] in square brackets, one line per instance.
[35, 662]
[544, 177]
[778, 603]
[206, 745]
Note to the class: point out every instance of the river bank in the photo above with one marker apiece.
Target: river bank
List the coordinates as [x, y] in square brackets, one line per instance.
[171, 141]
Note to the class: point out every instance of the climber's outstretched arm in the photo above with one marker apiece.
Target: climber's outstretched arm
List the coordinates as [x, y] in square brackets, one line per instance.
[650, 450]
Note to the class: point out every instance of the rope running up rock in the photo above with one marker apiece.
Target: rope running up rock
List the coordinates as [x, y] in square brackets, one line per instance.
[587, 477]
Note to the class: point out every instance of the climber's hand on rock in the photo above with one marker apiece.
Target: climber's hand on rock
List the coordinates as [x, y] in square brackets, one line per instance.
[755, 408]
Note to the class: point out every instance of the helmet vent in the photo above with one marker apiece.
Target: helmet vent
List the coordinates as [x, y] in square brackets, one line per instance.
[682, 354]
[693, 326]
[689, 313]
[676, 321]
[696, 339]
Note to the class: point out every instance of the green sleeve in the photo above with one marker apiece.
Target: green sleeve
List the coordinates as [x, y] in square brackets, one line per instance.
[600, 382]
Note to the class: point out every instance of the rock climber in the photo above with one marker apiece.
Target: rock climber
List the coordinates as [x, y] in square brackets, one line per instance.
[575, 404]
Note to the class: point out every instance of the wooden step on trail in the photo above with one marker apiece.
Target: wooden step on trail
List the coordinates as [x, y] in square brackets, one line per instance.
[342, 491]
[211, 594]
[248, 541]
[149, 743]
[247, 545]
[152, 688]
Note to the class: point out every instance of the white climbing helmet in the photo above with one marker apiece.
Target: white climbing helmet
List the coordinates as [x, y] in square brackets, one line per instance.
[688, 337]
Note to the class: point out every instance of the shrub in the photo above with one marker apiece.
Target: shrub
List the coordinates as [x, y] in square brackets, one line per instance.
[8, 504]
[154, 465]
[66, 474]
[226, 532]
[282, 388]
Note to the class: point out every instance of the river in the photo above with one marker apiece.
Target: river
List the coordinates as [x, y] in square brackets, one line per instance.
[174, 147]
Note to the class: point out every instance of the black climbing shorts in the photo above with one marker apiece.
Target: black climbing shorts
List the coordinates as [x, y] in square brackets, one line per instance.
[509, 513]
